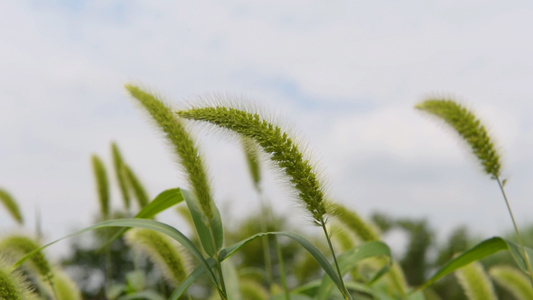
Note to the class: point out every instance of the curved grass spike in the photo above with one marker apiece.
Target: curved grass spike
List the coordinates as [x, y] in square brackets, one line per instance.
[182, 143]
[283, 151]
[165, 255]
[138, 189]
[64, 287]
[474, 133]
[13, 286]
[120, 173]
[11, 206]
[469, 128]
[475, 282]
[19, 246]
[102, 185]
[512, 280]
[278, 144]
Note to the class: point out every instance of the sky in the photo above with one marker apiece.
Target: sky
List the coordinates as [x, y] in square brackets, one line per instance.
[343, 75]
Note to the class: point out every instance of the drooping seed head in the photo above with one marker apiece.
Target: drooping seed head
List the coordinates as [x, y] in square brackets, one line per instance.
[102, 185]
[469, 128]
[161, 251]
[11, 205]
[182, 144]
[282, 149]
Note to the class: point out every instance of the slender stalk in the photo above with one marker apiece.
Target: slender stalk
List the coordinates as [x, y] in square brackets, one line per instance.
[344, 290]
[282, 270]
[526, 257]
[266, 218]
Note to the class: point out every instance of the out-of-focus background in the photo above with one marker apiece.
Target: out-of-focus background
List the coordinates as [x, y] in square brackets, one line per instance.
[345, 75]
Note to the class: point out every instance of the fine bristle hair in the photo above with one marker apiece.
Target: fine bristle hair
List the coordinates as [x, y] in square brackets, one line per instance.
[252, 158]
[11, 206]
[13, 285]
[512, 280]
[164, 254]
[17, 246]
[182, 144]
[285, 151]
[475, 282]
[102, 185]
[469, 127]
[120, 174]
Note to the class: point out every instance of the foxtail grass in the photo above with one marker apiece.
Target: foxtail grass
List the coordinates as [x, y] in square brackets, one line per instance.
[353, 221]
[182, 144]
[11, 206]
[512, 280]
[166, 256]
[470, 128]
[252, 158]
[13, 285]
[120, 173]
[19, 246]
[137, 187]
[102, 185]
[475, 282]
[283, 150]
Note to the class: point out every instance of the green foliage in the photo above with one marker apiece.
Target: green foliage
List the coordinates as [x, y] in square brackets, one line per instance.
[19, 246]
[11, 206]
[13, 286]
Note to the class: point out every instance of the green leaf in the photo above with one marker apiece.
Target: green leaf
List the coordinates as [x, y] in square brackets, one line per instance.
[163, 201]
[319, 257]
[349, 259]
[138, 223]
[195, 275]
[209, 231]
[148, 295]
[480, 251]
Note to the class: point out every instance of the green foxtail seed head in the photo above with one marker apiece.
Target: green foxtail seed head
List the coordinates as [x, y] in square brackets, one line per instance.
[11, 205]
[19, 246]
[252, 158]
[13, 285]
[138, 189]
[283, 150]
[475, 282]
[164, 254]
[469, 128]
[512, 280]
[351, 220]
[102, 186]
[65, 288]
[120, 173]
[182, 144]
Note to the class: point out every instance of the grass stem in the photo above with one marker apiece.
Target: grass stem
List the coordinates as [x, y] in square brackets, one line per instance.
[524, 253]
[344, 290]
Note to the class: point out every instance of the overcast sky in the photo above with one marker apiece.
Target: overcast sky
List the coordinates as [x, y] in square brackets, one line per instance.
[344, 74]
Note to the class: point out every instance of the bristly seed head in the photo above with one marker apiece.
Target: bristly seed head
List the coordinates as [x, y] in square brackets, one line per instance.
[278, 144]
[469, 128]
[182, 143]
